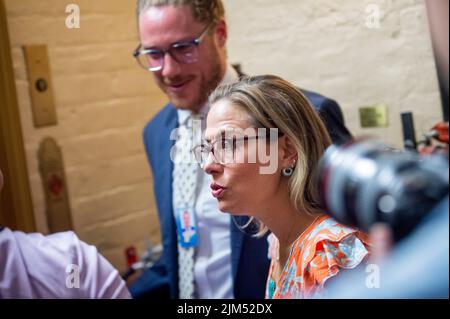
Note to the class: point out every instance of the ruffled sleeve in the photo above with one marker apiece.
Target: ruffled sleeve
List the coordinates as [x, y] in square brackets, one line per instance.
[332, 256]
[332, 247]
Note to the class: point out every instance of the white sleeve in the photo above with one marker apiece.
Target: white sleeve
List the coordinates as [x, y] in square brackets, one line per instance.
[98, 278]
[57, 266]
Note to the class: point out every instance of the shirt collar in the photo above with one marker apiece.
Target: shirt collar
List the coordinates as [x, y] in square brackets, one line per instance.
[230, 76]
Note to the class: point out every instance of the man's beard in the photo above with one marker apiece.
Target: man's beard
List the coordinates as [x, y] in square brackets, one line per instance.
[206, 86]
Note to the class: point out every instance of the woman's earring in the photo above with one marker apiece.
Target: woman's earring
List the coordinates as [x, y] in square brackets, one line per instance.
[287, 171]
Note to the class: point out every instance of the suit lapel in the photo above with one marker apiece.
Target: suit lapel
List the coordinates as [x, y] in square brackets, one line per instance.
[165, 165]
[166, 145]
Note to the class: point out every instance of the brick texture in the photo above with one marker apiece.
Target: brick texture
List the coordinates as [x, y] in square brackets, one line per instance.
[103, 100]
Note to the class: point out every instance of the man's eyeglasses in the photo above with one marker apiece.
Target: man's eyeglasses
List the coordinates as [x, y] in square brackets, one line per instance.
[185, 52]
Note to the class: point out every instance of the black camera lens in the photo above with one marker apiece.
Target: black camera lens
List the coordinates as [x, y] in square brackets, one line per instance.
[364, 182]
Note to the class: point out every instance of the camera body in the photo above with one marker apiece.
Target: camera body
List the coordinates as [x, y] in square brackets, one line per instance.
[364, 182]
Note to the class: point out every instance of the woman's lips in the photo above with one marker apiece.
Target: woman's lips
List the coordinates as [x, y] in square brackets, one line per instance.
[217, 190]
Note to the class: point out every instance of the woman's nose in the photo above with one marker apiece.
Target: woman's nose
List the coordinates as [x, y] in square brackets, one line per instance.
[212, 166]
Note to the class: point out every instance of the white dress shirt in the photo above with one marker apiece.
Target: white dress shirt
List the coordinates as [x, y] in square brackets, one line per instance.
[212, 264]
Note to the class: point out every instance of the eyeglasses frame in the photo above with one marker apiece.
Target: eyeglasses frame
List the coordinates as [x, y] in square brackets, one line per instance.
[234, 139]
[196, 42]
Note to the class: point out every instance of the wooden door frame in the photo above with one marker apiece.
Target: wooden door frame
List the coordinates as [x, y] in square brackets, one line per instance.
[16, 207]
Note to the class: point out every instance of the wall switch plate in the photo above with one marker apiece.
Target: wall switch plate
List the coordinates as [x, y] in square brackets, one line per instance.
[41, 88]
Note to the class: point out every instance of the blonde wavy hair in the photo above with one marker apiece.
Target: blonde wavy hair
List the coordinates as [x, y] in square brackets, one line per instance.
[204, 11]
[272, 102]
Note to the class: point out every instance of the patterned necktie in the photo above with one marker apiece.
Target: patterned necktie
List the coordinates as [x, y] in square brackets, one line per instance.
[184, 191]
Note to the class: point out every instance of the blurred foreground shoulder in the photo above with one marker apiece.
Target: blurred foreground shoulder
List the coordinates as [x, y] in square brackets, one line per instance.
[55, 266]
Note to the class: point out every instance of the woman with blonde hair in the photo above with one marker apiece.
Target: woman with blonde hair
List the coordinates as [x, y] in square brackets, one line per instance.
[262, 146]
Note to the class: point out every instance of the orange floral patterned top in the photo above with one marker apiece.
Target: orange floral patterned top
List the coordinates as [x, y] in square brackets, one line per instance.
[318, 254]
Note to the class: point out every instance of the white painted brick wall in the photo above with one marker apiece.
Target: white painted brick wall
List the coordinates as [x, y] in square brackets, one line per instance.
[325, 46]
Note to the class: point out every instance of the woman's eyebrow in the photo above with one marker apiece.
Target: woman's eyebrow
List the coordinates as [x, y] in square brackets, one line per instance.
[221, 134]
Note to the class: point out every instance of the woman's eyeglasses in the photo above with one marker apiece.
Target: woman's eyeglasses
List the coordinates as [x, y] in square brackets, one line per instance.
[224, 149]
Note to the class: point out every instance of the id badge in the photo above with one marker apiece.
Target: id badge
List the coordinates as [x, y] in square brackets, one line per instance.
[186, 226]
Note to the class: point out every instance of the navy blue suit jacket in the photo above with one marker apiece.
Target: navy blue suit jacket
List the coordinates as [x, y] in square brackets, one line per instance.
[248, 255]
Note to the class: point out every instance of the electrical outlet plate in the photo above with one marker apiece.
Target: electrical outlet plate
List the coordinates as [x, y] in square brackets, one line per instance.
[374, 116]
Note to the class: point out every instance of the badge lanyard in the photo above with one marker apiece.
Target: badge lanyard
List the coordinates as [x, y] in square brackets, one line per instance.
[186, 219]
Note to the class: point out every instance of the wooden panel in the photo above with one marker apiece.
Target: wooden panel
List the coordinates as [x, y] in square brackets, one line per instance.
[54, 184]
[16, 209]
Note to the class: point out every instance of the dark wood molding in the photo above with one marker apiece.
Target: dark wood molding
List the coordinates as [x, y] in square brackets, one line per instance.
[16, 207]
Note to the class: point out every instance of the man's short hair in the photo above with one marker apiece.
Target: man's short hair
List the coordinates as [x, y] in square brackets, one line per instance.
[205, 11]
